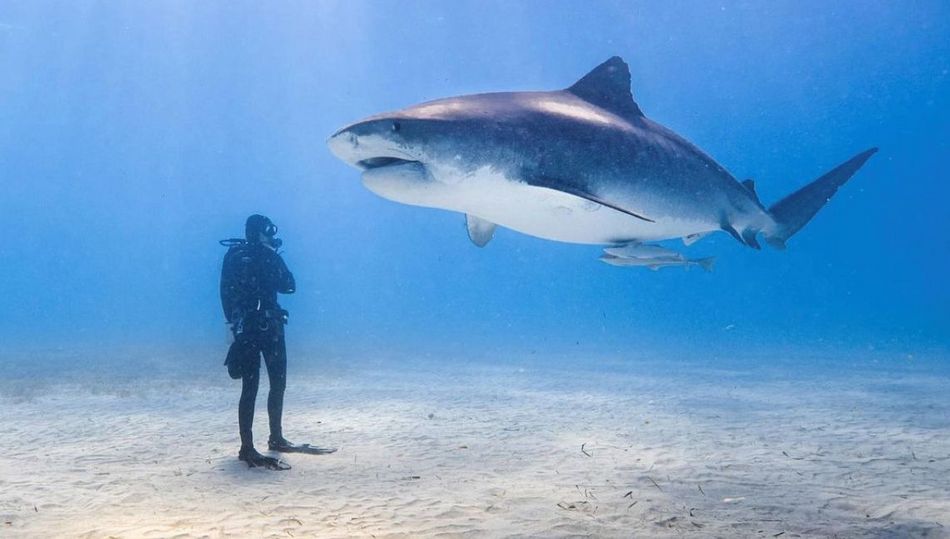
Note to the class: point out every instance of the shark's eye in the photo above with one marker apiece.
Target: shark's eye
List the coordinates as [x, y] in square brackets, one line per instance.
[396, 126]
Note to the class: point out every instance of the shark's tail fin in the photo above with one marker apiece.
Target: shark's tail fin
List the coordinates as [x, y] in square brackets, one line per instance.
[794, 211]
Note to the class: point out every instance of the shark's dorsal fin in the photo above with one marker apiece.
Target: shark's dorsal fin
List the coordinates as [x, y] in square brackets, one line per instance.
[608, 87]
[480, 231]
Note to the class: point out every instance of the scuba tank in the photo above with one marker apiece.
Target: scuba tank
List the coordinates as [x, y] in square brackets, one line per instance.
[239, 285]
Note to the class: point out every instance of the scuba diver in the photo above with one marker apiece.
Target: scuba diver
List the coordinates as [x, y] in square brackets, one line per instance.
[252, 275]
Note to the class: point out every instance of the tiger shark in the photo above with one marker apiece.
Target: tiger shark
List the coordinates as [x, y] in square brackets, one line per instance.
[579, 165]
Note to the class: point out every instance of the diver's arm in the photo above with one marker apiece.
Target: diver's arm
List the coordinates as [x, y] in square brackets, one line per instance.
[285, 280]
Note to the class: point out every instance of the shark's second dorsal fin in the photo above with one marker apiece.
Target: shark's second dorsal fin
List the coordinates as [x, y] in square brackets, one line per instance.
[750, 187]
[608, 87]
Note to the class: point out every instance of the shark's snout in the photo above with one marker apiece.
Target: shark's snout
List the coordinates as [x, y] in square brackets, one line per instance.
[370, 144]
[344, 144]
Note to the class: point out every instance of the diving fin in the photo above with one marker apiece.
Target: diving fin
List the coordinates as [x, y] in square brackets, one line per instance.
[306, 449]
[255, 459]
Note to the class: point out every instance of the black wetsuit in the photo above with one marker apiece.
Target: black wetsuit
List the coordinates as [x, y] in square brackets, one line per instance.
[251, 277]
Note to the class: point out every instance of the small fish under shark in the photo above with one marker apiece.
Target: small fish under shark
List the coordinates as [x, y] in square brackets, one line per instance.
[579, 165]
[651, 256]
[658, 262]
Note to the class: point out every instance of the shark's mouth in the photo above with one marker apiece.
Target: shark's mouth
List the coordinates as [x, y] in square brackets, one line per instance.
[381, 162]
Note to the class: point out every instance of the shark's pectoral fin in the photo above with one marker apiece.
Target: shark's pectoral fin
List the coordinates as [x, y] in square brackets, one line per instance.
[564, 187]
[480, 231]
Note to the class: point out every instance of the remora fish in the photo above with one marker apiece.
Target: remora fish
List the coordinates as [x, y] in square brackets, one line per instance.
[658, 262]
[636, 250]
[580, 165]
[651, 256]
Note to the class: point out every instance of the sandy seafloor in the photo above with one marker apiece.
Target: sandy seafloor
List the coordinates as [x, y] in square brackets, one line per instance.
[764, 447]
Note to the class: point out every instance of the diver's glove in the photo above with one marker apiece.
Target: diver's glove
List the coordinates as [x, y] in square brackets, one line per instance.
[237, 326]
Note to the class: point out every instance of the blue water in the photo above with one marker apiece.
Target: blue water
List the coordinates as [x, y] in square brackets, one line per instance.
[133, 136]
[793, 393]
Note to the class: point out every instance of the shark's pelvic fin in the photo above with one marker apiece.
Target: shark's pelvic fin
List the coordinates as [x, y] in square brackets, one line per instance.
[794, 211]
[608, 87]
[727, 226]
[480, 231]
[565, 187]
[748, 238]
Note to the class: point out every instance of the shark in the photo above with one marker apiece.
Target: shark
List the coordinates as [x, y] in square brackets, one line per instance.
[580, 165]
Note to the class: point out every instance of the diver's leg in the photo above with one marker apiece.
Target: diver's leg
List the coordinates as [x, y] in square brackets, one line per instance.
[249, 385]
[275, 357]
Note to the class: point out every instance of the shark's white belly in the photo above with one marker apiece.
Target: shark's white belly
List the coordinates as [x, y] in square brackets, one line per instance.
[555, 215]
[536, 211]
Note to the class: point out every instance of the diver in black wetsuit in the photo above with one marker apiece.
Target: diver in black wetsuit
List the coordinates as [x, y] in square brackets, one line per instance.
[252, 275]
